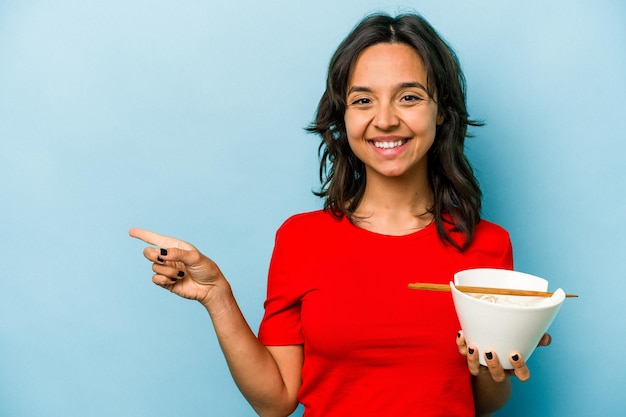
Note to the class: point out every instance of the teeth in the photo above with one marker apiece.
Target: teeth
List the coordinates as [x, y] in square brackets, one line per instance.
[388, 145]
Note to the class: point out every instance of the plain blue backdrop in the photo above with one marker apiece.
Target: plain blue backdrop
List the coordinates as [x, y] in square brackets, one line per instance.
[186, 117]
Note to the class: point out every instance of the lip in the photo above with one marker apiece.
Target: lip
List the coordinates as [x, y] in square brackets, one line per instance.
[386, 141]
[393, 138]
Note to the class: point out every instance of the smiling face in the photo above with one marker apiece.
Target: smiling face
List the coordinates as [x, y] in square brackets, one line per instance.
[390, 119]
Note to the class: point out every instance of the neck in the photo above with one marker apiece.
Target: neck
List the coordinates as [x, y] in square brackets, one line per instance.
[395, 206]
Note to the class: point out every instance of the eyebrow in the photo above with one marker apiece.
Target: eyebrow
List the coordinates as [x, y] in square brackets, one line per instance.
[414, 84]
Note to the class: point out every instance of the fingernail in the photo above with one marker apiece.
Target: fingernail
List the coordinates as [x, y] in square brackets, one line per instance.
[515, 357]
[471, 351]
[181, 274]
[160, 259]
[163, 252]
[458, 334]
[173, 279]
[489, 355]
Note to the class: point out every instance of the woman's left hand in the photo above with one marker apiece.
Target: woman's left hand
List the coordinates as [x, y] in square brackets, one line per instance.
[498, 373]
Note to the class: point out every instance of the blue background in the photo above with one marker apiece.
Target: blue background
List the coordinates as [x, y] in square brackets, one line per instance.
[186, 117]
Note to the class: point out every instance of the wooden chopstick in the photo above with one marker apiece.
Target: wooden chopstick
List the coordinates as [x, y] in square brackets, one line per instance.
[482, 290]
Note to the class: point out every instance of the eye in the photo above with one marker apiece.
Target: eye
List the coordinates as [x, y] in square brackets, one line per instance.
[411, 98]
[360, 101]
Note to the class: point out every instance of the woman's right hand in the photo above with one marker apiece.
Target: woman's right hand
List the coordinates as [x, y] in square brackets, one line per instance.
[179, 267]
[269, 377]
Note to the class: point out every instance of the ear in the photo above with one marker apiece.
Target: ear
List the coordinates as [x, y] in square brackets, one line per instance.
[440, 118]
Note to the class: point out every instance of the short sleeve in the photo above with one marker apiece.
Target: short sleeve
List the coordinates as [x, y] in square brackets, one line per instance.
[281, 324]
[507, 254]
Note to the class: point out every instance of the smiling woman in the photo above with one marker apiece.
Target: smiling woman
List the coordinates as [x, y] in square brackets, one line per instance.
[400, 200]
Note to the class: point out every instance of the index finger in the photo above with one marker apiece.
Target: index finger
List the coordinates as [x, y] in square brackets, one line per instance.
[155, 238]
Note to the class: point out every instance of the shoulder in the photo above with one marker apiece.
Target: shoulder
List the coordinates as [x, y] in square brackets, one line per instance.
[487, 229]
[308, 222]
[303, 235]
[492, 243]
[491, 235]
[310, 228]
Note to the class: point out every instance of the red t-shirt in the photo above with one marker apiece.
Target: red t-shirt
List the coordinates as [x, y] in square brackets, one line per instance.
[372, 347]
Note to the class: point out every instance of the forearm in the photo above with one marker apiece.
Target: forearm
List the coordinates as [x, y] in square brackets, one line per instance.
[253, 368]
[489, 395]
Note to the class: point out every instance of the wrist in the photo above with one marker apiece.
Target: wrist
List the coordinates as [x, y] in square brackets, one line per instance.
[219, 299]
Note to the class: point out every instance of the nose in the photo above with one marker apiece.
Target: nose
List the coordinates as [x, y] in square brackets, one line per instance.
[386, 117]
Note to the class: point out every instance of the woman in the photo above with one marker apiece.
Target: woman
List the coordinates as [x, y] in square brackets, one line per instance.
[341, 333]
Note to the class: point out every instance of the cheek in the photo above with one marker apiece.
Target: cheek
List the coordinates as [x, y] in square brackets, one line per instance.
[350, 124]
[355, 145]
[354, 130]
[426, 124]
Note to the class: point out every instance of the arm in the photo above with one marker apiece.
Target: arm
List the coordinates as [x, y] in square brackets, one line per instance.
[268, 377]
[489, 394]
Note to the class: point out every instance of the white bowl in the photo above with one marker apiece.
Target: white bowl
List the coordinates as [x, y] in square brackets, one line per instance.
[512, 323]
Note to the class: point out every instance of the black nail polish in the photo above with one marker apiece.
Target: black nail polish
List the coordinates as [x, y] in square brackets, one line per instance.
[515, 358]
[471, 351]
[163, 252]
[489, 355]
[181, 274]
[173, 279]
[458, 334]
[160, 259]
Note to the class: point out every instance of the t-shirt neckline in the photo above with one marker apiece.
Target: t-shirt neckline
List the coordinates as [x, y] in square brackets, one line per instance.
[424, 231]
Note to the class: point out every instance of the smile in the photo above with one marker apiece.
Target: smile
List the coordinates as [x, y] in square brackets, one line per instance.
[389, 145]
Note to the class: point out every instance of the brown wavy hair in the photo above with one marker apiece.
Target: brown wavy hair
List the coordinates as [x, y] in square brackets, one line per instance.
[457, 195]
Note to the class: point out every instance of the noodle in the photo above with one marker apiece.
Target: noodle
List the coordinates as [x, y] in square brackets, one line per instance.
[498, 299]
